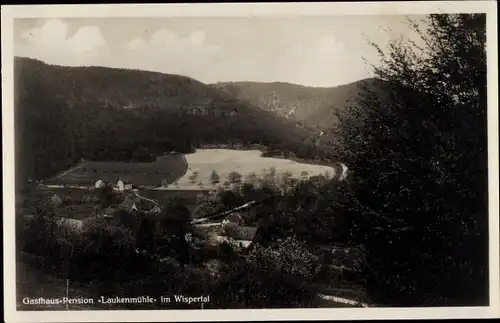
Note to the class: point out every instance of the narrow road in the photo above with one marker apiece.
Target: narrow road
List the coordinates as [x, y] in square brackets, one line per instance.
[146, 199]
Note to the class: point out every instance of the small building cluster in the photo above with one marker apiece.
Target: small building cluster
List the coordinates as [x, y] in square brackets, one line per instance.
[132, 202]
[120, 186]
[230, 228]
[123, 186]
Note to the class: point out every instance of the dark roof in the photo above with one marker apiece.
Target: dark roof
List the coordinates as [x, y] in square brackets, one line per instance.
[204, 231]
[242, 233]
[234, 217]
[129, 201]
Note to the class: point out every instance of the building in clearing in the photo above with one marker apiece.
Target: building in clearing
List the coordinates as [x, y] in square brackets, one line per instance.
[134, 203]
[234, 218]
[241, 237]
[100, 184]
[120, 185]
[131, 203]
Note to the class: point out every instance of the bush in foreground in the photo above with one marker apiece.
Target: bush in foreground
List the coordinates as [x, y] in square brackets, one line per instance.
[417, 144]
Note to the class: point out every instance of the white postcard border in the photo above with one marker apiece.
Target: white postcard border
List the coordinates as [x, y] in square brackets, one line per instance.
[9, 13]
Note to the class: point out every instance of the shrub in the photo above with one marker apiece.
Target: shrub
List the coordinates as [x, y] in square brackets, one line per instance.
[290, 257]
[246, 285]
[234, 177]
[214, 177]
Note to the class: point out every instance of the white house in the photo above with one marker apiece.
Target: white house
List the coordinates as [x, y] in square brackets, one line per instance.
[120, 185]
[99, 184]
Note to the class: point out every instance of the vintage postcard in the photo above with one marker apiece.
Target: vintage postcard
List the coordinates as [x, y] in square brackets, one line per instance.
[279, 161]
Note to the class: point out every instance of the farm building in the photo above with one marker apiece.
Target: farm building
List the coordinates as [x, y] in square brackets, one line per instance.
[134, 203]
[240, 237]
[100, 184]
[120, 185]
[131, 203]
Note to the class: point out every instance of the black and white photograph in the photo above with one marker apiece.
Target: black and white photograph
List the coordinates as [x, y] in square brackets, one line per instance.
[208, 159]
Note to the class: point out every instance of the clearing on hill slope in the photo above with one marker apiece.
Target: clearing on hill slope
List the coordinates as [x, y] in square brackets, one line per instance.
[312, 106]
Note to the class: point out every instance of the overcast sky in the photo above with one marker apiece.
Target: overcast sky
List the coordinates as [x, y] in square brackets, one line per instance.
[314, 51]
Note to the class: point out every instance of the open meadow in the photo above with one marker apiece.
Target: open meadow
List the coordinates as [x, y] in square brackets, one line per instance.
[178, 170]
[225, 161]
[165, 168]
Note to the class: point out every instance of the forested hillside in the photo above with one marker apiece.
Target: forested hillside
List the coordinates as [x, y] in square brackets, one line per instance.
[66, 113]
[313, 106]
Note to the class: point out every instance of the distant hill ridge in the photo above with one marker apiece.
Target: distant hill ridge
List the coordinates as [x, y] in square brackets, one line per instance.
[312, 106]
[66, 113]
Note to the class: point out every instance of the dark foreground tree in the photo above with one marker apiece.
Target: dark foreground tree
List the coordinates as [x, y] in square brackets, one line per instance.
[174, 225]
[417, 144]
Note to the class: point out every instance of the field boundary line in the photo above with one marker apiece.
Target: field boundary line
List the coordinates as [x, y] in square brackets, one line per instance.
[150, 200]
[69, 170]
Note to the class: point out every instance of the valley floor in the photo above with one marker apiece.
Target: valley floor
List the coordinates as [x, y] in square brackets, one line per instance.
[186, 172]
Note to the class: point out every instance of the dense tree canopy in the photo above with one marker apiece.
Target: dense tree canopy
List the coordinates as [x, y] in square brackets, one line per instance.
[417, 144]
[96, 113]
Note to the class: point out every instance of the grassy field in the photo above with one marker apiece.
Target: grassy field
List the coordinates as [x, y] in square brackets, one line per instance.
[178, 169]
[225, 161]
[168, 168]
[75, 193]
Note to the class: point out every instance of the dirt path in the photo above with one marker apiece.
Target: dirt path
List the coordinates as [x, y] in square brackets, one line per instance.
[146, 199]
